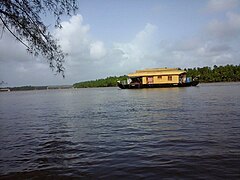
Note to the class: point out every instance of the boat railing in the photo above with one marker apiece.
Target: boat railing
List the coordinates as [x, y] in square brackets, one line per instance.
[123, 82]
[196, 78]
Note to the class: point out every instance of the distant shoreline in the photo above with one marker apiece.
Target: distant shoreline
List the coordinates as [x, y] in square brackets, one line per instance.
[33, 88]
[21, 89]
[215, 74]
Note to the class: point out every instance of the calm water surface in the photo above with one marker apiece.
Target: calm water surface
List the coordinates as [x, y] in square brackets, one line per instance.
[108, 133]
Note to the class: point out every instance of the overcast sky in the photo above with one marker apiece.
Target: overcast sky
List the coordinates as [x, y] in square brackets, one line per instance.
[116, 37]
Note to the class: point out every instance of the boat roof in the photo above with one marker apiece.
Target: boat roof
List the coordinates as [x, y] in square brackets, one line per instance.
[157, 72]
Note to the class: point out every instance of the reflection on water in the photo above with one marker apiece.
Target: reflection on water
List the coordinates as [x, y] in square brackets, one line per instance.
[110, 133]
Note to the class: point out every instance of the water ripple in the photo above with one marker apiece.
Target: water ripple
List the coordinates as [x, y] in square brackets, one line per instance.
[178, 133]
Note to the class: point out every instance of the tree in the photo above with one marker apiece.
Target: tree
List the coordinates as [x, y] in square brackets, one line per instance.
[217, 73]
[2, 83]
[22, 19]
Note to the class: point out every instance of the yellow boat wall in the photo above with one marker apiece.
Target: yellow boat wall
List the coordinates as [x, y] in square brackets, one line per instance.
[161, 80]
[159, 75]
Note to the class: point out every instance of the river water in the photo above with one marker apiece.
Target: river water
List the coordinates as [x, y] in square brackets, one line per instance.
[108, 133]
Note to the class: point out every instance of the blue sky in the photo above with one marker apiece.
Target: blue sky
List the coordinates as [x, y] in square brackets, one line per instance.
[110, 37]
[123, 19]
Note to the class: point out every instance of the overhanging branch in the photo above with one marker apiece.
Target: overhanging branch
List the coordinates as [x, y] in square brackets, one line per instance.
[6, 26]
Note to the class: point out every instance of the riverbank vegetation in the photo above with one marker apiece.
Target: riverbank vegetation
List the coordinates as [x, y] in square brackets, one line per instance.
[107, 82]
[228, 73]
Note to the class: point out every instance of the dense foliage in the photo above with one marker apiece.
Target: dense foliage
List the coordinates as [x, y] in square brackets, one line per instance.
[22, 19]
[226, 73]
[107, 82]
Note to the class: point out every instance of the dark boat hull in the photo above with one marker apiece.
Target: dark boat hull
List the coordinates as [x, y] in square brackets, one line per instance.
[139, 86]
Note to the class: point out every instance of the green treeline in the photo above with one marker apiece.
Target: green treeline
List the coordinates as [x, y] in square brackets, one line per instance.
[228, 73]
[27, 88]
[107, 82]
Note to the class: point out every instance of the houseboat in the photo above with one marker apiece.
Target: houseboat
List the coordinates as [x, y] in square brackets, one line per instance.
[158, 77]
[4, 90]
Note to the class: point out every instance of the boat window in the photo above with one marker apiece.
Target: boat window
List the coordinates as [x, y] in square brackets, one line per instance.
[159, 77]
[169, 78]
[150, 80]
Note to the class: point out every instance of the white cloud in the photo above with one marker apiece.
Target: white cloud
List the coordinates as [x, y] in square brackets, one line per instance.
[75, 39]
[136, 52]
[146, 49]
[97, 50]
[221, 5]
[89, 58]
[226, 30]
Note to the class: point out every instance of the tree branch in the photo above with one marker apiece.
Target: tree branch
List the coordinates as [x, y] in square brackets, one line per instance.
[6, 26]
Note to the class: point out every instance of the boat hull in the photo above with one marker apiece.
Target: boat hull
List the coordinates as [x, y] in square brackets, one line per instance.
[140, 86]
